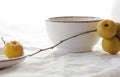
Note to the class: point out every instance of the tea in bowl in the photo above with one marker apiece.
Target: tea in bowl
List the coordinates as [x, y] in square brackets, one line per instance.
[61, 28]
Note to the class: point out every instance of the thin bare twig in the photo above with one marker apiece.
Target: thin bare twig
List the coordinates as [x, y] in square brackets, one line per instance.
[3, 40]
[62, 42]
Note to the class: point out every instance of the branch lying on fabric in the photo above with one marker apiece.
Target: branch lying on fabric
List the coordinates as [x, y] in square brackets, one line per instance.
[62, 42]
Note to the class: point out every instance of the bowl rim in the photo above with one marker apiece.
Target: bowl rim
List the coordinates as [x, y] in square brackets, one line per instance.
[88, 19]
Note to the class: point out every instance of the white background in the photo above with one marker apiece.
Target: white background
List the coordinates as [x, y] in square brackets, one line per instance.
[34, 12]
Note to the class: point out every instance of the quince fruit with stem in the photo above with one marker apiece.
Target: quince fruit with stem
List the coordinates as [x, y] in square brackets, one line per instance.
[13, 49]
[106, 29]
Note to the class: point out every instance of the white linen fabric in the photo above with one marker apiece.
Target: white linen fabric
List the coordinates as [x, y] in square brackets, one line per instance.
[53, 63]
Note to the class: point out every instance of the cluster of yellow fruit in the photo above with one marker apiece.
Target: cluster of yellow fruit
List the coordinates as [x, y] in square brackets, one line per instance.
[110, 32]
[13, 49]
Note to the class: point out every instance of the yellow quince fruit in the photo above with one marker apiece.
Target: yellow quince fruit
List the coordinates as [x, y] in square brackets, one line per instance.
[111, 46]
[13, 49]
[118, 29]
[106, 29]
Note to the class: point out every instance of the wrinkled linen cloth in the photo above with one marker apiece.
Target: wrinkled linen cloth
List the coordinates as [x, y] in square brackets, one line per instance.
[54, 63]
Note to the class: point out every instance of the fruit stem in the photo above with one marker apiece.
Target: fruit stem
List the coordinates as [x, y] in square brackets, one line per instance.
[117, 36]
[3, 40]
[62, 42]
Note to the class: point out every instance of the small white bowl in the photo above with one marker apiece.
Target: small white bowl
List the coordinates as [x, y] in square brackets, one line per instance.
[60, 28]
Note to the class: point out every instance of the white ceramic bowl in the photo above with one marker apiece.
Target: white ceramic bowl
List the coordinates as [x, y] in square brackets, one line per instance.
[60, 28]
